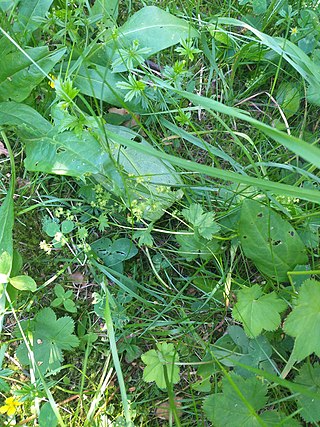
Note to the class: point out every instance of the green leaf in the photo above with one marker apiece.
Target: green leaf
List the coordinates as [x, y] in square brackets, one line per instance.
[152, 28]
[59, 291]
[23, 283]
[66, 154]
[47, 417]
[203, 222]
[19, 75]
[114, 253]
[227, 409]
[288, 97]
[303, 323]
[50, 337]
[259, 6]
[277, 419]
[70, 306]
[101, 83]
[5, 265]
[258, 312]
[193, 246]
[309, 376]
[270, 241]
[157, 360]
[67, 226]
[50, 227]
[108, 9]
[29, 12]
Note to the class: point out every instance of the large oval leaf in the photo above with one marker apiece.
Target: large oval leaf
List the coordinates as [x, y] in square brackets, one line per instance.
[270, 241]
[154, 29]
[19, 75]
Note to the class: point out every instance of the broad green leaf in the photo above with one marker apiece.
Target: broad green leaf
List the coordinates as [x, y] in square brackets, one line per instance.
[203, 223]
[50, 227]
[108, 9]
[258, 312]
[259, 6]
[23, 116]
[193, 246]
[23, 283]
[113, 254]
[288, 97]
[152, 28]
[5, 264]
[50, 337]
[99, 82]
[157, 360]
[309, 376]
[277, 419]
[29, 13]
[303, 323]
[67, 226]
[19, 75]
[66, 154]
[227, 409]
[269, 241]
[47, 417]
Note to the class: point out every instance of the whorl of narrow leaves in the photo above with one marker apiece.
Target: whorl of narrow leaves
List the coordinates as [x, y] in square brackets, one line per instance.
[303, 323]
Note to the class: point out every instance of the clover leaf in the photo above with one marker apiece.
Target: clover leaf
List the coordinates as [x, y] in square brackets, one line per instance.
[157, 361]
[257, 311]
[303, 323]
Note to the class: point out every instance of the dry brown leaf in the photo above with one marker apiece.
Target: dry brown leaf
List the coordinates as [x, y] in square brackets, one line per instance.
[3, 150]
[163, 409]
[120, 111]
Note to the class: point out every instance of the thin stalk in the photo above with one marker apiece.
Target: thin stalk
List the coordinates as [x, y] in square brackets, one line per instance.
[116, 361]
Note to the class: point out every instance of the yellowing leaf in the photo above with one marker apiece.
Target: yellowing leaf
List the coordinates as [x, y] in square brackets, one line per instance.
[303, 322]
[258, 312]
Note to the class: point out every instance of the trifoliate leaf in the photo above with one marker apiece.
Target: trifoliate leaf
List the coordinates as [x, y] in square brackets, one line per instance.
[303, 322]
[257, 311]
[157, 361]
[228, 409]
[310, 408]
[203, 223]
[50, 336]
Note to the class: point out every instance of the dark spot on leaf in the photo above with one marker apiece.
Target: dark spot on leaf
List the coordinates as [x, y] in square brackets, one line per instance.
[291, 233]
[61, 150]
[137, 138]
[260, 215]
[245, 237]
[277, 242]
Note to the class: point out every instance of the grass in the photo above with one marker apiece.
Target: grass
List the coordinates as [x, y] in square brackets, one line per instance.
[212, 131]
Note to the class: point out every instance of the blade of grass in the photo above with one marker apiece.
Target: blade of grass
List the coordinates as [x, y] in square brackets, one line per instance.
[275, 187]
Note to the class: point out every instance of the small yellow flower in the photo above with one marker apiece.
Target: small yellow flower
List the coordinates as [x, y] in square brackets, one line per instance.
[10, 407]
[47, 247]
[294, 30]
[51, 82]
